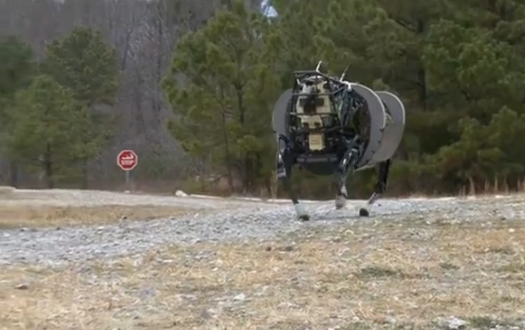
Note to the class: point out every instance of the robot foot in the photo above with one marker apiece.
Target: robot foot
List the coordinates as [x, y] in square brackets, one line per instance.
[364, 212]
[340, 198]
[340, 202]
[301, 212]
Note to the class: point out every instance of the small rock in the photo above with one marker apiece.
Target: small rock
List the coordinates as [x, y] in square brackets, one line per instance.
[345, 253]
[511, 230]
[147, 293]
[390, 319]
[262, 291]
[23, 286]
[287, 248]
[288, 304]
[205, 314]
[180, 193]
[240, 297]
[453, 323]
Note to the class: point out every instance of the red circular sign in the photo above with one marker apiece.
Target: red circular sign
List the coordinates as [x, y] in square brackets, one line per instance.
[127, 160]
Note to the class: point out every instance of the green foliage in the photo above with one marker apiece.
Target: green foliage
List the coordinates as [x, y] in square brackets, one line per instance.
[459, 67]
[483, 152]
[84, 63]
[302, 45]
[54, 123]
[46, 127]
[16, 66]
[229, 83]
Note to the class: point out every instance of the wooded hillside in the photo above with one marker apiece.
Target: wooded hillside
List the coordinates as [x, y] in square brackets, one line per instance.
[189, 85]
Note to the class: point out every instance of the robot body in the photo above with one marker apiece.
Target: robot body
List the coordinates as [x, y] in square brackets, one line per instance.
[330, 126]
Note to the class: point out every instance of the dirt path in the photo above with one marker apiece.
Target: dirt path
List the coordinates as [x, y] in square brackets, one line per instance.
[216, 220]
[245, 264]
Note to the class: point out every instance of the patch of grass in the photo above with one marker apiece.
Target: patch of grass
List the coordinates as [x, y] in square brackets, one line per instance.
[6, 192]
[488, 323]
[321, 281]
[448, 266]
[17, 216]
[498, 250]
[514, 267]
[481, 322]
[372, 272]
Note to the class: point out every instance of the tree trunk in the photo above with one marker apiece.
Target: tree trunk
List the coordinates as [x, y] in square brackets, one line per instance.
[13, 174]
[421, 74]
[246, 170]
[229, 163]
[84, 175]
[48, 168]
[472, 186]
[273, 185]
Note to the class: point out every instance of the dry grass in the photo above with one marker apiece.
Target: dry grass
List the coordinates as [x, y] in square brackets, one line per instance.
[30, 210]
[6, 191]
[366, 277]
[14, 216]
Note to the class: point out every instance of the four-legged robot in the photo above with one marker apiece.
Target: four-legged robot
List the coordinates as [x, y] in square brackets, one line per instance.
[330, 126]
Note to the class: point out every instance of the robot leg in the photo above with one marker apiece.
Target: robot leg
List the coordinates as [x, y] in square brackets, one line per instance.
[384, 168]
[347, 162]
[284, 174]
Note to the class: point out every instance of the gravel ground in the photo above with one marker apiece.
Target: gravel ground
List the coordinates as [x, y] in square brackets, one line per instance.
[226, 219]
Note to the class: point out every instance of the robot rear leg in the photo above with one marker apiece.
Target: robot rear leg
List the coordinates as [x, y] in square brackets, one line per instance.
[341, 197]
[384, 168]
[345, 164]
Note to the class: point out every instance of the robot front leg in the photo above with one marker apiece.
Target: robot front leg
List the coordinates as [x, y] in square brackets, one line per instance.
[284, 174]
[384, 168]
[341, 173]
[341, 192]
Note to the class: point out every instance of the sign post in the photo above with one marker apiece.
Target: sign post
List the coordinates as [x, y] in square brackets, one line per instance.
[127, 160]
